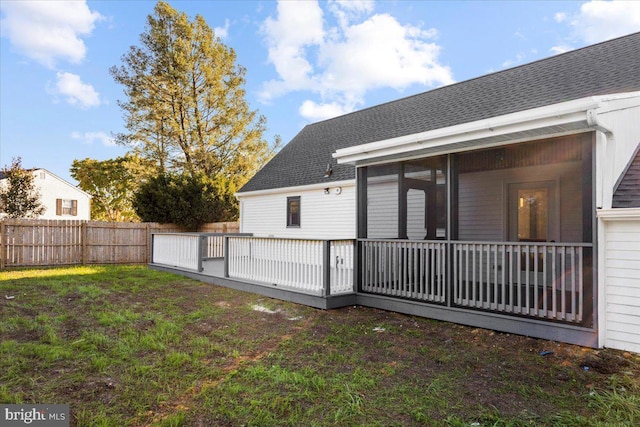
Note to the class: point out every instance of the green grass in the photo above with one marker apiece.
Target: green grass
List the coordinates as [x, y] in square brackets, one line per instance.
[129, 346]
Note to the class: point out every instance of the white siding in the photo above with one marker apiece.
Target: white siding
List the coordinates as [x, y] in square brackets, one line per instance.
[322, 216]
[614, 154]
[52, 188]
[622, 284]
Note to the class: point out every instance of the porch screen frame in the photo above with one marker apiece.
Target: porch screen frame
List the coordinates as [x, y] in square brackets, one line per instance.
[436, 211]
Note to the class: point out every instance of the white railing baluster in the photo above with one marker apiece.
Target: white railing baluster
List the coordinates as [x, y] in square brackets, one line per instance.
[543, 280]
[563, 284]
[580, 287]
[554, 283]
[292, 263]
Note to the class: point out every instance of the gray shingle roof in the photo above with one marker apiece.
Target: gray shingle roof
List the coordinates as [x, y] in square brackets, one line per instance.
[627, 191]
[604, 68]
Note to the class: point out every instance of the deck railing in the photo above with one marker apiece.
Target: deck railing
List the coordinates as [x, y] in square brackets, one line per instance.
[186, 250]
[213, 246]
[404, 268]
[543, 280]
[181, 250]
[319, 267]
[548, 281]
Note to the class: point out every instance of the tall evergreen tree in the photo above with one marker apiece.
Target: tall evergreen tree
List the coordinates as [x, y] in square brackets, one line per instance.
[186, 109]
[20, 197]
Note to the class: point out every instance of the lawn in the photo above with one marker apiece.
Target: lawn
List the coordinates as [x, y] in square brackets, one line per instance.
[129, 346]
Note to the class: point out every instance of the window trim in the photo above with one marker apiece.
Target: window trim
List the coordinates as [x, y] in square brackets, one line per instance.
[71, 210]
[291, 200]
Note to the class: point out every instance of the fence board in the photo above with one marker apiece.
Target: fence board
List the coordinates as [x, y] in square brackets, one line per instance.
[35, 243]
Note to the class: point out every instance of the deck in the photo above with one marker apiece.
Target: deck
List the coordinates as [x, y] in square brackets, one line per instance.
[542, 298]
[213, 273]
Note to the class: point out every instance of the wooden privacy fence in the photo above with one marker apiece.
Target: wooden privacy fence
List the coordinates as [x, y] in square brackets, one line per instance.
[25, 243]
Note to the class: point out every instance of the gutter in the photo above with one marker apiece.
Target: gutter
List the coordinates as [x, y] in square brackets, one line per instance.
[297, 189]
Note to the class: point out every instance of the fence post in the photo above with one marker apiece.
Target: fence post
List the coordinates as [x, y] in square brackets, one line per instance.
[83, 242]
[358, 265]
[201, 250]
[326, 268]
[150, 246]
[3, 239]
[226, 256]
[149, 252]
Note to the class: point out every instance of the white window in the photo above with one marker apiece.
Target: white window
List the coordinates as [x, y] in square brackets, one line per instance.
[66, 207]
[293, 211]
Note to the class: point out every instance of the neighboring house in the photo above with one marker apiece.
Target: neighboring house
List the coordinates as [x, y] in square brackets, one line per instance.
[61, 199]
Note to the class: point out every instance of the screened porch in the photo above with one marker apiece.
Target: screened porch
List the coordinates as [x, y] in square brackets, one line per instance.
[505, 230]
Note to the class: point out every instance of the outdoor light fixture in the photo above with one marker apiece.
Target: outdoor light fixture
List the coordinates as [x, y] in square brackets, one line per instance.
[329, 171]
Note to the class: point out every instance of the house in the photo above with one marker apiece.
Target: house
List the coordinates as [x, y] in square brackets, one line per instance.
[509, 202]
[61, 199]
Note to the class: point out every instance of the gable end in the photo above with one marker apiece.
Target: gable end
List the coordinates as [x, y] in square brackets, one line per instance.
[627, 190]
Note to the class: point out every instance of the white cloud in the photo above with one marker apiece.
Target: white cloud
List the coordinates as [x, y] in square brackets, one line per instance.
[48, 31]
[341, 63]
[512, 62]
[92, 137]
[223, 32]
[603, 20]
[382, 53]
[599, 21]
[316, 112]
[346, 11]
[75, 91]
[560, 16]
[560, 49]
[299, 26]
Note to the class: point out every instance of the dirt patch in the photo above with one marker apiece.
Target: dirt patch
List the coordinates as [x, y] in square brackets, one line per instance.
[606, 362]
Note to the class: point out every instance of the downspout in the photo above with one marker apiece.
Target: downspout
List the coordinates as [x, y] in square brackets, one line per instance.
[599, 246]
[608, 154]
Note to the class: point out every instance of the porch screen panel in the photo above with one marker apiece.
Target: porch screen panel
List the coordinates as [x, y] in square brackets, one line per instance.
[416, 214]
[424, 185]
[382, 201]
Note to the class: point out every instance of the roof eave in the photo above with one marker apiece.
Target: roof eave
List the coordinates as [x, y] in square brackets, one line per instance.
[551, 120]
[295, 188]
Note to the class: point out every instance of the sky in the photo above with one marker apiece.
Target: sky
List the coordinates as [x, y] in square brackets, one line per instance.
[306, 61]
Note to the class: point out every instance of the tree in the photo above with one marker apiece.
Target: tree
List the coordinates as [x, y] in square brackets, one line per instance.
[111, 184]
[185, 109]
[20, 197]
[186, 200]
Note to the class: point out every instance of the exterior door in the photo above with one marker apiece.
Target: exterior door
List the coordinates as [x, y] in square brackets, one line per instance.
[533, 212]
[533, 217]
